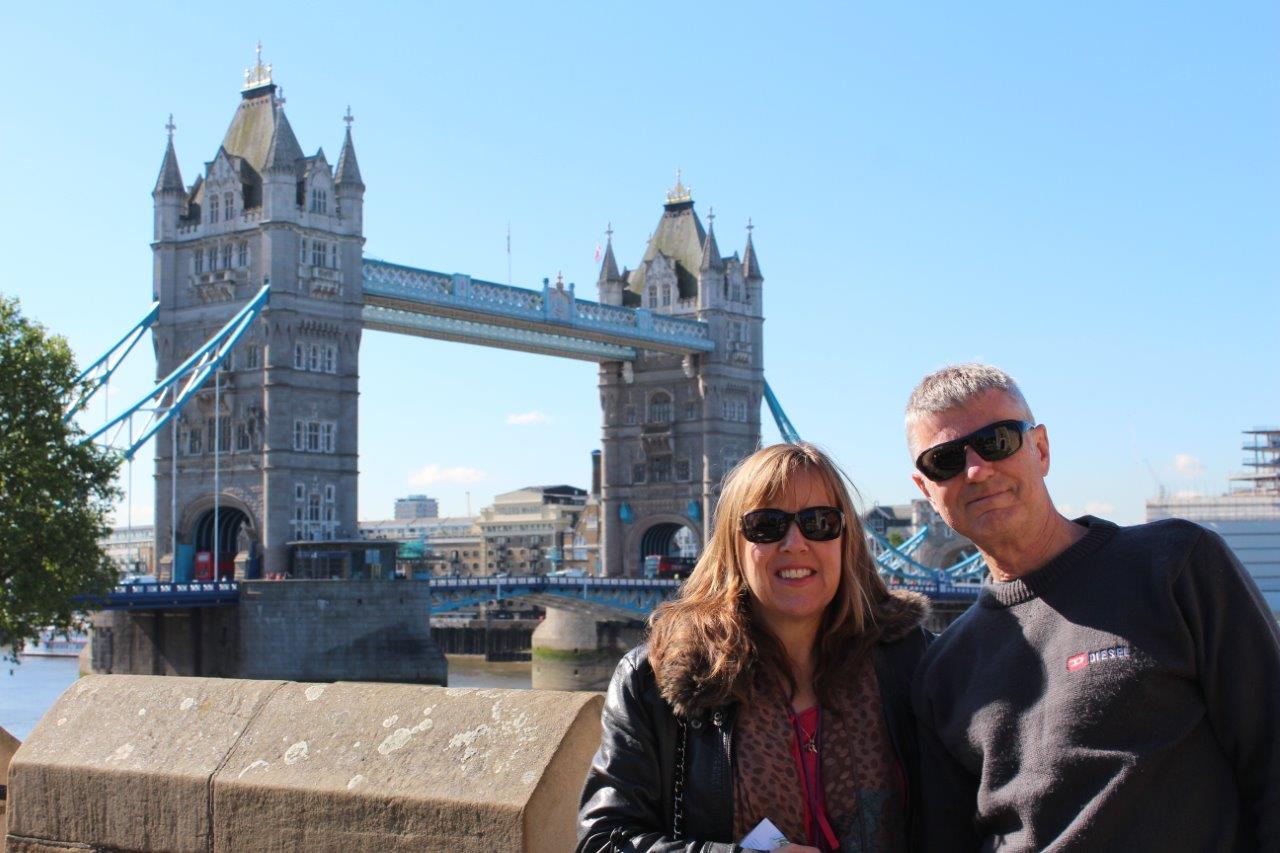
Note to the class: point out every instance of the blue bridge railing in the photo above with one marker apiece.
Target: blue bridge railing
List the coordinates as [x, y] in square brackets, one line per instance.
[632, 598]
[167, 595]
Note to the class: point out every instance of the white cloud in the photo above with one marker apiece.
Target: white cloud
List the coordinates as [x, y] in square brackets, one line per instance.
[528, 418]
[1188, 465]
[432, 474]
[1098, 508]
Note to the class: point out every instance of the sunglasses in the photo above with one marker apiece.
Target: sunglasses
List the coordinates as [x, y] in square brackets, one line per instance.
[993, 442]
[816, 523]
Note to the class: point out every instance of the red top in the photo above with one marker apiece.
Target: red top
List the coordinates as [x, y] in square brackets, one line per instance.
[806, 749]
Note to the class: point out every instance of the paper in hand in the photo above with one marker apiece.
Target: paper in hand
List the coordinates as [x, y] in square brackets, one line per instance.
[765, 836]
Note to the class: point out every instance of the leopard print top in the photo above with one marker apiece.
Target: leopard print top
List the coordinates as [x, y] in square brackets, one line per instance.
[861, 780]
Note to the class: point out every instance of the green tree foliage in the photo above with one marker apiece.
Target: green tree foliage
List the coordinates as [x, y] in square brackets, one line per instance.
[55, 488]
[896, 538]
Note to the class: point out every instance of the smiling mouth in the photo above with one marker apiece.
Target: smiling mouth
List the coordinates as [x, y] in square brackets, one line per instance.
[983, 498]
[795, 574]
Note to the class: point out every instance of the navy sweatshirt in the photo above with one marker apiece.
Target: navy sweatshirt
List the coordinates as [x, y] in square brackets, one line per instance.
[1126, 696]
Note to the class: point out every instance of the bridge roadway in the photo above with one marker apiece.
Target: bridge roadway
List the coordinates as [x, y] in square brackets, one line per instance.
[604, 598]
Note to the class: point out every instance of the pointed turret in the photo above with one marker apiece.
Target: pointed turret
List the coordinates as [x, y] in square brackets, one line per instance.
[610, 283]
[169, 194]
[609, 266]
[751, 263]
[711, 259]
[283, 152]
[170, 179]
[348, 169]
[348, 182]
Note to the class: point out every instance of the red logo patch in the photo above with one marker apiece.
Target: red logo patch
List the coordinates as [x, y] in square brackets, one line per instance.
[1077, 661]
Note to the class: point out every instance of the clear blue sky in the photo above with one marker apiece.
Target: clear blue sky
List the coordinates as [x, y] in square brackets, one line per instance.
[1087, 194]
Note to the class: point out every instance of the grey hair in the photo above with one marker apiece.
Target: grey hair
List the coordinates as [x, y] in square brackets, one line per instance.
[956, 385]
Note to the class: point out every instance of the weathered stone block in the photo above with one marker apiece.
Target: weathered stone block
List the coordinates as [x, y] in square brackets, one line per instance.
[170, 763]
[124, 761]
[8, 746]
[401, 767]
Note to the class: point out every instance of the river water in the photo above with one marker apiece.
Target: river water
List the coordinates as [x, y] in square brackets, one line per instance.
[29, 688]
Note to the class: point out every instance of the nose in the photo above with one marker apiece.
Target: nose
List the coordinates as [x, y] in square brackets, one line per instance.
[794, 540]
[976, 469]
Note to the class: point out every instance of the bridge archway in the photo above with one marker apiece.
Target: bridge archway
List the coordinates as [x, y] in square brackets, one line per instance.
[239, 534]
[665, 535]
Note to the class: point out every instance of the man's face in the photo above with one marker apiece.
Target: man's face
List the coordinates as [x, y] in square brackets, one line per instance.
[996, 504]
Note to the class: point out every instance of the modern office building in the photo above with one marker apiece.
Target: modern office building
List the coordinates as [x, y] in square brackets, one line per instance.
[1247, 516]
[417, 506]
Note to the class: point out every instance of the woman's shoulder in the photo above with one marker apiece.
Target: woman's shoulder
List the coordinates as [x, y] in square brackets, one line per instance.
[902, 615]
[903, 637]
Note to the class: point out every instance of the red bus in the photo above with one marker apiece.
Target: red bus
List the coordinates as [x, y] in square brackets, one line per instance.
[674, 568]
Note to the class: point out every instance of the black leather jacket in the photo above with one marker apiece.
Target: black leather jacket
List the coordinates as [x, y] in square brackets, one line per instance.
[628, 803]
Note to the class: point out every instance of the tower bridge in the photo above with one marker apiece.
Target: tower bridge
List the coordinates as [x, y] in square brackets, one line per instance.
[262, 295]
[264, 454]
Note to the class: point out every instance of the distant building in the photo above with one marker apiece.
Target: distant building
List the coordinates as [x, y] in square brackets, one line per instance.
[132, 549]
[417, 506]
[448, 546]
[1247, 517]
[889, 520]
[527, 531]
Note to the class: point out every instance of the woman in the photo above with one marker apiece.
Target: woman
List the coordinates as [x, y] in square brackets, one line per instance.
[776, 685]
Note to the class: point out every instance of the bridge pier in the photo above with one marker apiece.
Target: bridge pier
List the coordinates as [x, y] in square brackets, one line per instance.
[574, 651]
[310, 630]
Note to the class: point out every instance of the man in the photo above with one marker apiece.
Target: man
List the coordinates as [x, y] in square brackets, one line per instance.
[1114, 688]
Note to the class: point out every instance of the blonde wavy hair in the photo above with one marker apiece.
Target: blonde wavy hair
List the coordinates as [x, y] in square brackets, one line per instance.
[705, 644]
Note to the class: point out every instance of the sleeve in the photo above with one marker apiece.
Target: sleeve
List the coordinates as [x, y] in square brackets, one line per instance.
[1237, 649]
[621, 808]
[948, 792]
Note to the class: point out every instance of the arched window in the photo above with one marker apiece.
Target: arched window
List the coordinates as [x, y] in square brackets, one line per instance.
[213, 208]
[226, 256]
[197, 261]
[242, 258]
[660, 408]
[319, 200]
[653, 296]
[333, 256]
[228, 205]
[210, 259]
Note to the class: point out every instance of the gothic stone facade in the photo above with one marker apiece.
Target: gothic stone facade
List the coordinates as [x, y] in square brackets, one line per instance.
[673, 426]
[285, 417]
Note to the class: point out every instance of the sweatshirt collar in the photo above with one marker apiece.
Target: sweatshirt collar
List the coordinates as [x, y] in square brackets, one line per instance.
[1009, 593]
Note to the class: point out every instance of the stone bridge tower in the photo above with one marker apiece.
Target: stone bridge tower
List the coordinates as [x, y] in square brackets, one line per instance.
[282, 422]
[674, 426]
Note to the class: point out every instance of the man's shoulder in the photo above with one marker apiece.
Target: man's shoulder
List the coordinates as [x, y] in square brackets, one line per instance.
[1161, 544]
[970, 627]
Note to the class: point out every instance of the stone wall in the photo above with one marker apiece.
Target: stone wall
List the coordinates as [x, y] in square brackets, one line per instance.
[321, 630]
[8, 746]
[302, 630]
[147, 763]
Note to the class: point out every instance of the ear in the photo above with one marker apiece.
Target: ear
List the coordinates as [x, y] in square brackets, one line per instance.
[920, 481]
[1041, 443]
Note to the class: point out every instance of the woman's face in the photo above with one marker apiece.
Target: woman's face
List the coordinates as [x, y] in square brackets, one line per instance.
[793, 580]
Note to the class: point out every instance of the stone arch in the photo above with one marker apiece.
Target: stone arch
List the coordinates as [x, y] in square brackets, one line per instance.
[655, 531]
[202, 506]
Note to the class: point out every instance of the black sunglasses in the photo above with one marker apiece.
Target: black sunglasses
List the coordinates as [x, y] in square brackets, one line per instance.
[993, 442]
[816, 523]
